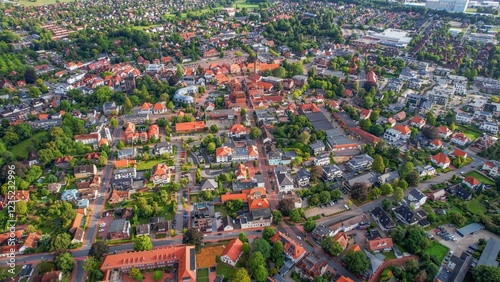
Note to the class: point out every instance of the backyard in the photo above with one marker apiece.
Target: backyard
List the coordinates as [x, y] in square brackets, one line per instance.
[437, 250]
[225, 269]
[469, 132]
[476, 206]
[23, 148]
[202, 275]
[483, 179]
[146, 165]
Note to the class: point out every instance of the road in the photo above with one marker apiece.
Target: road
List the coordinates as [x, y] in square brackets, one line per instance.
[177, 179]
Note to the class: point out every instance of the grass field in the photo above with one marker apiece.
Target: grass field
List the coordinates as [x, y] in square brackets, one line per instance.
[389, 255]
[202, 275]
[23, 148]
[140, 27]
[4, 272]
[470, 133]
[483, 179]
[225, 269]
[41, 2]
[437, 250]
[145, 165]
[240, 4]
[470, 10]
[476, 206]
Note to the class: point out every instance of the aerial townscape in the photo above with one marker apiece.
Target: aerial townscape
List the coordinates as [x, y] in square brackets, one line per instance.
[249, 140]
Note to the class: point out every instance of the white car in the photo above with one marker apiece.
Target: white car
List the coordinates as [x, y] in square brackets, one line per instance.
[103, 225]
[101, 230]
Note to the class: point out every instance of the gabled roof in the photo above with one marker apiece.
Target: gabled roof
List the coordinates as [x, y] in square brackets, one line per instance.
[233, 249]
[459, 153]
[441, 158]
[437, 143]
[380, 244]
[290, 247]
[342, 239]
[403, 129]
[223, 151]
[472, 181]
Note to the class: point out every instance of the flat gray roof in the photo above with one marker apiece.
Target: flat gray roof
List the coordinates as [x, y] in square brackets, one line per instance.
[469, 229]
[490, 253]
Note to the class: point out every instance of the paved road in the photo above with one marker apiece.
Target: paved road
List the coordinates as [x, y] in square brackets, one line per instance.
[177, 178]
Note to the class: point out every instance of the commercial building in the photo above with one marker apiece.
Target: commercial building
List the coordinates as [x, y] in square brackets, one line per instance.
[454, 6]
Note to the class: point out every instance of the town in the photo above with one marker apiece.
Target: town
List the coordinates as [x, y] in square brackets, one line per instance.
[249, 140]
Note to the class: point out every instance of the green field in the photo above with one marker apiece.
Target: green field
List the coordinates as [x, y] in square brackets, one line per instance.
[240, 4]
[23, 148]
[5, 274]
[41, 2]
[476, 206]
[470, 10]
[225, 269]
[437, 250]
[145, 165]
[202, 275]
[483, 179]
[140, 27]
[470, 133]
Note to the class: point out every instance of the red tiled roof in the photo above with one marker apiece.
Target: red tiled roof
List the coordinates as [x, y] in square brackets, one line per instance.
[472, 181]
[189, 126]
[459, 153]
[441, 158]
[380, 244]
[233, 249]
[403, 129]
[296, 252]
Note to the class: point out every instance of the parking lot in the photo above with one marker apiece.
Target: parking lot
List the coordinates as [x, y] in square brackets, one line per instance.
[462, 244]
[326, 209]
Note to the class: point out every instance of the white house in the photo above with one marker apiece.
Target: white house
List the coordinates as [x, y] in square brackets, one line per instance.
[232, 252]
[392, 135]
[416, 198]
[441, 160]
[490, 127]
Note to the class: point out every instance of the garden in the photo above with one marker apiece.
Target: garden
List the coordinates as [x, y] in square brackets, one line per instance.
[482, 178]
[437, 250]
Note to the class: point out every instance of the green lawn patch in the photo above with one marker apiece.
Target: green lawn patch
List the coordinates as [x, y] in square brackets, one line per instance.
[476, 206]
[202, 275]
[483, 179]
[389, 255]
[146, 165]
[471, 133]
[23, 148]
[240, 4]
[437, 250]
[4, 272]
[220, 208]
[41, 2]
[225, 269]
[141, 27]
[470, 10]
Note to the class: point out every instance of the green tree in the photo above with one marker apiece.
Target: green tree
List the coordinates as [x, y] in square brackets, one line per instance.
[285, 206]
[256, 260]
[241, 275]
[386, 204]
[407, 168]
[120, 145]
[136, 274]
[386, 189]
[90, 264]
[192, 237]
[211, 147]
[59, 242]
[277, 255]
[246, 248]
[214, 128]
[143, 243]
[260, 273]
[378, 164]
[295, 215]
[21, 207]
[262, 246]
[484, 273]
[398, 194]
[331, 246]
[157, 275]
[304, 137]
[98, 250]
[268, 233]
[65, 262]
[243, 237]
[413, 178]
[255, 132]
[113, 122]
[356, 262]
[310, 224]
[457, 218]
[34, 92]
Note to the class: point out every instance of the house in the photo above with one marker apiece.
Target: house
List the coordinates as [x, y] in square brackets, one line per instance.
[118, 196]
[320, 232]
[392, 135]
[364, 113]
[209, 184]
[253, 152]
[484, 142]
[232, 252]
[360, 162]
[159, 108]
[471, 182]
[63, 162]
[460, 191]
[492, 167]
[54, 187]
[444, 131]
[183, 256]
[457, 153]
[89, 139]
[490, 127]
[404, 131]
[436, 144]
[417, 122]
[380, 245]
[441, 160]
[241, 171]
[52, 276]
[223, 154]
[284, 181]
[322, 160]
[317, 147]
[460, 139]
[83, 171]
[237, 131]
[330, 172]
[292, 250]
[110, 108]
[311, 266]
[382, 218]
[119, 229]
[162, 148]
[428, 170]
[303, 176]
[404, 214]
[437, 195]
[32, 158]
[30, 243]
[342, 239]
[142, 230]
[416, 198]
[160, 174]
[146, 108]
[463, 118]
[388, 177]
[154, 132]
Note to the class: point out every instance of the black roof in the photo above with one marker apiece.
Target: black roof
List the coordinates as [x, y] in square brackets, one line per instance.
[383, 218]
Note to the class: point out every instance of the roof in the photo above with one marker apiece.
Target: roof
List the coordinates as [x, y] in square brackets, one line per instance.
[469, 229]
[189, 126]
[344, 279]
[185, 255]
[472, 181]
[490, 253]
[459, 153]
[380, 244]
[233, 249]
[223, 151]
[403, 129]
[342, 239]
[290, 247]
[441, 158]
[159, 170]
[406, 213]
[417, 194]
[238, 128]
[437, 143]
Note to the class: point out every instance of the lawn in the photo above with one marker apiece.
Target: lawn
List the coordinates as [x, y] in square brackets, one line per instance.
[141, 27]
[437, 250]
[4, 272]
[476, 206]
[202, 275]
[225, 269]
[146, 165]
[222, 210]
[470, 10]
[23, 148]
[240, 4]
[483, 179]
[389, 255]
[470, 133]
[41, 2]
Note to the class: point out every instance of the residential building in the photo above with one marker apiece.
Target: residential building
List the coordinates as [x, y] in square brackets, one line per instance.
[232, 252]
[224, 154]
[142, 230]
[321, 160]
[361, 221]
[437, 195]
[471, 182]
[320, 232]
[182, 257]
[492, 167]
[388, 177]
[317, 147]
[330, 172]
[127, 153]
[463, 118]
[460, 191]
[237, 131]
[119, 229]
[490, 127]
[417, 122]
[435, 144]
[360, 162]
[404, 214]
[162, 148]
[209, 184]
[444, 131]
[83, 171]
[441, 160]
[416, 198]
[292, 249]
[460, 139]
[383, 219]
[392, 135]
[310, 267]
[404, 131]
[482, 143]
[160, 174]
[342, 239]
[303, 176]
[284, 181]
[189, 126]
[380, 245]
